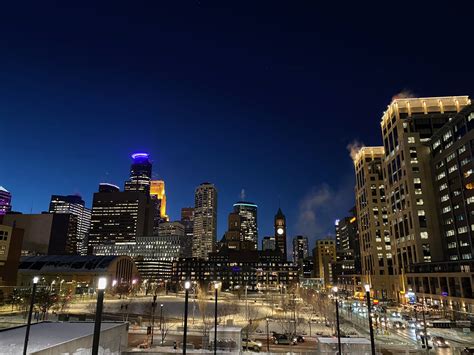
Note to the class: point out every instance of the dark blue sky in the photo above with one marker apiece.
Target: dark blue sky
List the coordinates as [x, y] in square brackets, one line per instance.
[261, 96]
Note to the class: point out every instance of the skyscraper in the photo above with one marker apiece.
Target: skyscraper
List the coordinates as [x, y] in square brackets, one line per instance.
[300, 249]
[268, 243]
[187, 220]
[205, 220]
[119, 216]
[374, 232]
[324, 255]
[248, 222]
[407, 127]
[5, 201]
[140, 173]
[75, 206]
[347, 246]
[280, 232]
[158, 201]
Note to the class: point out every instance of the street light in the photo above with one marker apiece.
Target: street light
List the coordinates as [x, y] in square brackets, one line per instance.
[334, 289]
[268, 338]
[30, 312]
[161, 324]
[98, 314]
[153, 306]
[372, 343]
[187, 286]
[216, 288]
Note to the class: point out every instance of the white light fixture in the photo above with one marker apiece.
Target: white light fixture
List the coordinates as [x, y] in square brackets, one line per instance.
[334, 289]
[161, 305]
[367, 288]
[114, 282]
[102, 283]
[35, 279]
[187, 285]
[216, 285]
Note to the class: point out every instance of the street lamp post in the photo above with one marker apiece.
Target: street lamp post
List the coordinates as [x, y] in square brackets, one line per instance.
[153, 306]
[98, 314]
[268, 338]
[372, 343]
[161, 316]
[30, 312]
[337, 320]
[216, 288]
[425, 338]
[187, 286]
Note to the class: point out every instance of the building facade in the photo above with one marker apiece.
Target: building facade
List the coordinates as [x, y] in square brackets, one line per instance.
[300, 249]
[5, 201]
[187, 220]
[324, 255]
[205, 220]
[75, 206]
[268, 243]
[248, 222]
[377, 262]
[119, 216]
[11, 239]
[347, 246]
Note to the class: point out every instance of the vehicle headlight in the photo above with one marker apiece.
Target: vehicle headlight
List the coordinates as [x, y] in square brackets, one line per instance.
[259, 343]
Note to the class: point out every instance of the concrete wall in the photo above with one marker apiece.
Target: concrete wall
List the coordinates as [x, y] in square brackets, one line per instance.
[112, 341]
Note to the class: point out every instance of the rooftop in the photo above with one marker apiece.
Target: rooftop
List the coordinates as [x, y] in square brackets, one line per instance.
[64, 263]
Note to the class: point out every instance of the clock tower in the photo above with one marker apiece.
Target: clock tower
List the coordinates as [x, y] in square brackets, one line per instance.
[280, 232]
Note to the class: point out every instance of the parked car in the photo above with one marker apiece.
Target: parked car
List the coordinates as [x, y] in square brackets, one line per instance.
[251, 344]
[440, 342]
[469, 350]
[284, 339]
[299, 338]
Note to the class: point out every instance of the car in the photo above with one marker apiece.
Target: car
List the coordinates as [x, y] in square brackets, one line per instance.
[251, 344]
[284, 339]
[469, 350]
[440, 342]
[399, 325]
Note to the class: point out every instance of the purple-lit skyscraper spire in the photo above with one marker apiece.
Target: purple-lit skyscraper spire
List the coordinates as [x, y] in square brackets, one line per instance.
[140, 173]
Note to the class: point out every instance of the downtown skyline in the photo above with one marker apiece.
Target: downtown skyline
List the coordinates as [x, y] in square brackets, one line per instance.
[276, 94]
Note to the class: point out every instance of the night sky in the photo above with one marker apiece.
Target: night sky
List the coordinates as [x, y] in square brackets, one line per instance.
[260, 96]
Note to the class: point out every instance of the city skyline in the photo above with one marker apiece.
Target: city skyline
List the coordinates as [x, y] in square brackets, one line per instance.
[269, 91]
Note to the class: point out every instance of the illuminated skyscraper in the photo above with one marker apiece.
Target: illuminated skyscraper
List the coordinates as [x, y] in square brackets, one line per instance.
[248, 222]
[158, 199]
[300, 249]
[140, 173]
[74, 205]
[205, 220]
[5, 201]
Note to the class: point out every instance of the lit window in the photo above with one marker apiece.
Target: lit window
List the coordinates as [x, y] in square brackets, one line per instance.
[462, 230]
[444, 198]
[467, 173]
[453, 168]
[470, 200]
[450, 233]
[462, 149]
[446, 209]
[450, 157]
[436, 144]
[416, 181]
[421, 212]
[419, 201]
[441, 175]
[411, 139]
[424, 235]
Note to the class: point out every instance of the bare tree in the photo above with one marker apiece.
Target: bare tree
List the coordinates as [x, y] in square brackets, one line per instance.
[202, 304]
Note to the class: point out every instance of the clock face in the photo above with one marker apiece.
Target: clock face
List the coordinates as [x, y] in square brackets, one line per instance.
[280, 231]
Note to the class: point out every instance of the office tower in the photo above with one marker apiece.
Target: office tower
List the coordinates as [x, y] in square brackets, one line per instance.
[158, 197]
[173, 229]
[268, 243]
[453, 182]
[11, 239]
[5, 201]
[233, 237]
[248, 222]
[374, 232]
[140, 174]
[119, 216]
[324, 255]
[347, 246]
[46, 233]
[205, 220]
[300, 249]
[280, 232]
[187, 220]
[75, 206]
[407, 127]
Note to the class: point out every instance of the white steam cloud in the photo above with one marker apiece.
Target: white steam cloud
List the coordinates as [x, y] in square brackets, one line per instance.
[242, 194]
[354, 148]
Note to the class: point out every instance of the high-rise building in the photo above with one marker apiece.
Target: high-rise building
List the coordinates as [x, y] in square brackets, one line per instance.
[324, 255]
[158, 197]
[300, 249]
[140, 173]
[46, 233]
[205, 220]
[268, 243]
[74, 205]
[187, 220]
[374, 232]
[347, 246]
[280, 232]
[248, 222]
[119, 216]
[452, 148]
[407, 126]
[5, 201]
